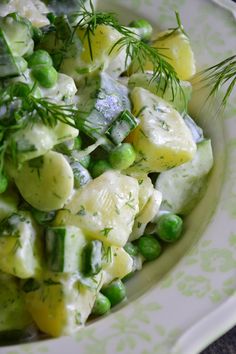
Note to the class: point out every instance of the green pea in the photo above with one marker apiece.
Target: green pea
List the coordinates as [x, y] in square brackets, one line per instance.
[131, 249]
[149, 247]
[115, 292]
[39, 57]
[169, 227]
[122, 157]
[3, 183]
[99, 167]
[46, 75]
[145, 27]
[101, 306]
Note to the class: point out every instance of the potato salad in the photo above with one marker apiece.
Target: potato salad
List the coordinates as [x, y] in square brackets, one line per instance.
[100, 160]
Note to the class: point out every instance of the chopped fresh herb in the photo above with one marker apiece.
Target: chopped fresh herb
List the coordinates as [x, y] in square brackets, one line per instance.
[136, 49]
[82, 211]
[37, 162]
[106, 231]
[219, 75]
[51, 282]
[30, 285]
[130, 201]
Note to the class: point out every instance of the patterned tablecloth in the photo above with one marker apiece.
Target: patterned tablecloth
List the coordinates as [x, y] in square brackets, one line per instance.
[226, 344]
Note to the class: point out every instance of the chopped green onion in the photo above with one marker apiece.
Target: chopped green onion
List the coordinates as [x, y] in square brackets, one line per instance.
[122, 127]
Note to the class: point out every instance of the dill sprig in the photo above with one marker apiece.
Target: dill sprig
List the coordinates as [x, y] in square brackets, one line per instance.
[18, 112]
[136, 49]
[51, 113]
[19, 109]
[219, 75]
[172, 31]
[89, 20]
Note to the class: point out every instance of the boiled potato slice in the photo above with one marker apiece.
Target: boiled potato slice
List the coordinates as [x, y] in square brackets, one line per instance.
[120, 265]
[33, 10]
[20, 246]
[105, 208]
[101, 43]
[46, 182]
[162, 140]
[146, 215]
[151, 208]
[176, 49]
[63, 91]
[145, 189]
[14, 315]
[61, 304]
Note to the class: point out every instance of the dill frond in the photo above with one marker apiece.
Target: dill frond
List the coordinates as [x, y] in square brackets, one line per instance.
[218, 76]
[136, 48]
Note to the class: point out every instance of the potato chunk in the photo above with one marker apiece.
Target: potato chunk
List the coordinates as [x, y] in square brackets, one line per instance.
[61, 304]
[176, 49]
[20, 246]
[106, 207]
[162, 140]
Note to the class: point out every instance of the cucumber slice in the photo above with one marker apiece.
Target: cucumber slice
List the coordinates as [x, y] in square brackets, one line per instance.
[81, 174]
[18, 32]
[183, 186]
[196, 131]
[63, 6]
[50, 172]
[64, 247]
[92, 256]
[62, 304]
[101, 101]
[57, 41]
[8, 65]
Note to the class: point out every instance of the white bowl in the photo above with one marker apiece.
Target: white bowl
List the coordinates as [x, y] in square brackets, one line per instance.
[184, 300]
